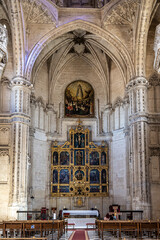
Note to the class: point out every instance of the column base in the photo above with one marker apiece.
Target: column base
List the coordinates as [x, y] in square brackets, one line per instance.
[12, 212]
[144, 206]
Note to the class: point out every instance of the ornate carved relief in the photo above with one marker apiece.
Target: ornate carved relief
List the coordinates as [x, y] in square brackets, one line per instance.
[36, 12]
[124, 13]
[154, 80]
[155, 151]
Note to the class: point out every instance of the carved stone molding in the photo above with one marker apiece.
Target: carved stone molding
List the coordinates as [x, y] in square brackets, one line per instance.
[4, 129]
[123, 14]
[36, 12]
[155, 151]
[154, 118]
[4, 152]
[154, 79]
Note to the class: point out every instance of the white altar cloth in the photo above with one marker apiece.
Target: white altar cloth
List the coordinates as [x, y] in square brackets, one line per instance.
[81, 212]
[80, 222]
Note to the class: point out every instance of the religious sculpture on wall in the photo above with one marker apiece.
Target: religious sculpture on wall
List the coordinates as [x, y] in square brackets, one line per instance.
[79, 167]
[79, 100]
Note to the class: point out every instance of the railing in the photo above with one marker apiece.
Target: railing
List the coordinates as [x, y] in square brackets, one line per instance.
[81, 3]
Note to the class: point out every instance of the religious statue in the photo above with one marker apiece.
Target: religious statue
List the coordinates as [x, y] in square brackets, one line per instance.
[100, 3]
[79, 158]
[3, 41]
[60, 3]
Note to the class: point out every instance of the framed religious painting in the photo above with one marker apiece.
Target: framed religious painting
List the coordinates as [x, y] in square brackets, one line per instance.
[79, 100]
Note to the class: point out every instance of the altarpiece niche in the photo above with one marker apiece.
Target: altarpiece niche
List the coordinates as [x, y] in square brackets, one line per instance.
[79, 167]
[79, 100]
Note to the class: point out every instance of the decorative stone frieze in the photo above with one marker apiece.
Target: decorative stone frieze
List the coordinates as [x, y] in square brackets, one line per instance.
[39, 13]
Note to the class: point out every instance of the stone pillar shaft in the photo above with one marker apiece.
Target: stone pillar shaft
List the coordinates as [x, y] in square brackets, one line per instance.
[137, 91]
[20, 110]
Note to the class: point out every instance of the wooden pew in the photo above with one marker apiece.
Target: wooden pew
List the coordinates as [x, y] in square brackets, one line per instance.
[111, 226]
[129, 227]
[149, 227]
[11, 226]
[136, 227]
[30, 227]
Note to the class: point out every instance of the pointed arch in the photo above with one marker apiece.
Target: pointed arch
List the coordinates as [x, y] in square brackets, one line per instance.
[117, 46]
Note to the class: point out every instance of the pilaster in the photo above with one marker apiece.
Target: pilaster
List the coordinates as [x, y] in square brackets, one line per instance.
[139, 160]
[20, 112]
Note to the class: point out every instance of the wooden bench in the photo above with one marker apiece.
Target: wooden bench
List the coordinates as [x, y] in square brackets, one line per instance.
[90, 224]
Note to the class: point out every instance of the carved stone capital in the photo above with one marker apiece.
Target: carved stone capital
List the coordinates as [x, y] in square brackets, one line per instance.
[21, 81]
[137, 82]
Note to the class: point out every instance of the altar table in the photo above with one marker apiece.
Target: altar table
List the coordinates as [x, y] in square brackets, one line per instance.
[81, 212]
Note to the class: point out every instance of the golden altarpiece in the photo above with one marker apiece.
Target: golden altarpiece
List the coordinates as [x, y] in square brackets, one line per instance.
[79, 167]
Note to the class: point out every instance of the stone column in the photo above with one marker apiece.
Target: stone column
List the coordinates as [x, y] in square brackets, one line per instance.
[139, 160]
[3, 48]
[20, 115]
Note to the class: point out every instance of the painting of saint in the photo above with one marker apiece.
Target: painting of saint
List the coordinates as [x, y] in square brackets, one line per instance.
[55, 176]
[64, 189]
[78, 157]
[55, 158]
[103, 176]
[54, 189]
[79, 174]
[94, 189]
[103, 158]
[79, 140]
[64, 176]
[94, 158]
[104, 188]
[64, 158]
[94, 176]
[79, 100]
